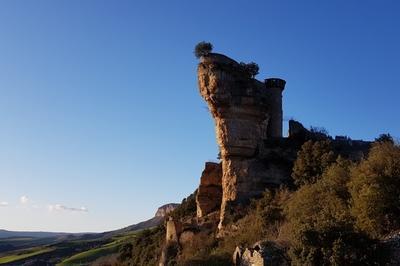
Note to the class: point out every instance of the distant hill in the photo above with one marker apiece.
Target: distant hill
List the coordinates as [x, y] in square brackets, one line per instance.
[9, 234]
[156, 220]
[40, 248]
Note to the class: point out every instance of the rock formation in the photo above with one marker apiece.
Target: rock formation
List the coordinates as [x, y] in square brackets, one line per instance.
[173, 228]
[209, 193]
[247, 112]
[260, 254]
[166, 209]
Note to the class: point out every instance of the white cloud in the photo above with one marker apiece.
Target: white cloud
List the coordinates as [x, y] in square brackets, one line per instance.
[59, 207]
[23, 199]
[3, 203]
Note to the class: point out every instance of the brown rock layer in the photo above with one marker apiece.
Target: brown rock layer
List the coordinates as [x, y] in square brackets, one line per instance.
[209, 194]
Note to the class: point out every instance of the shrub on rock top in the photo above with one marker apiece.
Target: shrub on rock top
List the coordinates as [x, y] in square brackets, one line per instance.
[202, 49]
[251, 68]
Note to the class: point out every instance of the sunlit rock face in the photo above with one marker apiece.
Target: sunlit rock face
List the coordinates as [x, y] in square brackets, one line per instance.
[166, 209]
[246, 112]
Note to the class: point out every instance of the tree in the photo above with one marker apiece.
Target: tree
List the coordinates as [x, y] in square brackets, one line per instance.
[202, 49]
[125, 253]
[251, 69]
[375, 190]
[321, 228]
[384, 138]
[312, 160]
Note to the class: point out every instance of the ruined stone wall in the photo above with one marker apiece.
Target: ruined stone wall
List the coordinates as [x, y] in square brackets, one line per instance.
[242, 108]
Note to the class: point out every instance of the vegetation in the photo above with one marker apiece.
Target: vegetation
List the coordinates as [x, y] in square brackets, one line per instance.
[93, 254]
[202, 49]
[186, 208]
[24, 254]
[312, 160]
[251, 69]
[321, 226]
[145, 249]
[384, 138]
[337, 214]
[375, 190]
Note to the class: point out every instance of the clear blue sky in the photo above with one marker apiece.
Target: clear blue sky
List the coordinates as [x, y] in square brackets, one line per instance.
[100, 116]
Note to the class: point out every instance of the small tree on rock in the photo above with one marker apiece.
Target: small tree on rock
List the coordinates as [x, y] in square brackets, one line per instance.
[251, 69]
[202, 49]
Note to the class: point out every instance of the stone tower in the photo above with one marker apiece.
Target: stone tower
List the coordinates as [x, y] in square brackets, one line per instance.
[246, 112]
[275, 87]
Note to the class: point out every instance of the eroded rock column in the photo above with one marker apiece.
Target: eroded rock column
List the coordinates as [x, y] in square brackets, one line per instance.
[239, 105]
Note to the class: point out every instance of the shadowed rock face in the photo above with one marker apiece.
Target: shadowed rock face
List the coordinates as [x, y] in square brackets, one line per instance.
[209, 194]
[242, 108]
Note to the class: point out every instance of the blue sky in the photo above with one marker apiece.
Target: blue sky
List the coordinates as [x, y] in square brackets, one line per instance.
[101, 121]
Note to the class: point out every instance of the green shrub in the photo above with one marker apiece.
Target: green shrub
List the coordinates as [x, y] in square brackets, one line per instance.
[269, 209]
[251, 69]
[384, 138]
[311, 162]
[321, 226]
[125, 253]
[145, 249]
[375, 190]
[187, 207]
[202, 49]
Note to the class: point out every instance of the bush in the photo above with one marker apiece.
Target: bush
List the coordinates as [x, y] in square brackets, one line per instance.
[251, 69]
[145, 249]
[269, 209]
[375, 190]
[321, 226]
[202, 49]
[384, 138]
[311, 162]
[337, 176]
[187, 208]
[125, 252]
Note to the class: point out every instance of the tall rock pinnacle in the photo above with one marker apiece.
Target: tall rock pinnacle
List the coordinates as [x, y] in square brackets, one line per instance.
[246, 112]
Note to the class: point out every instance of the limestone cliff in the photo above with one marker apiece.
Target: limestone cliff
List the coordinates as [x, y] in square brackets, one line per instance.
[246, 112]
[166, 209]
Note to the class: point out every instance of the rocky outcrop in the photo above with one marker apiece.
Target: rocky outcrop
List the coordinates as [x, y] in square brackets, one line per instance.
[246, 112]
[166, 209]
[173, 230]
[260, 254]
[209, 193]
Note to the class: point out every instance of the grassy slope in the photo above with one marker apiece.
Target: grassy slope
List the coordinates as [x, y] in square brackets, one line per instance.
[90, 255]
[26, 254]
[93, 254]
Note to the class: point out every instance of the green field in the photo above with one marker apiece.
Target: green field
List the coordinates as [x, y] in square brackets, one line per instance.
[91, 255]
[81, 250]
[25, 254]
